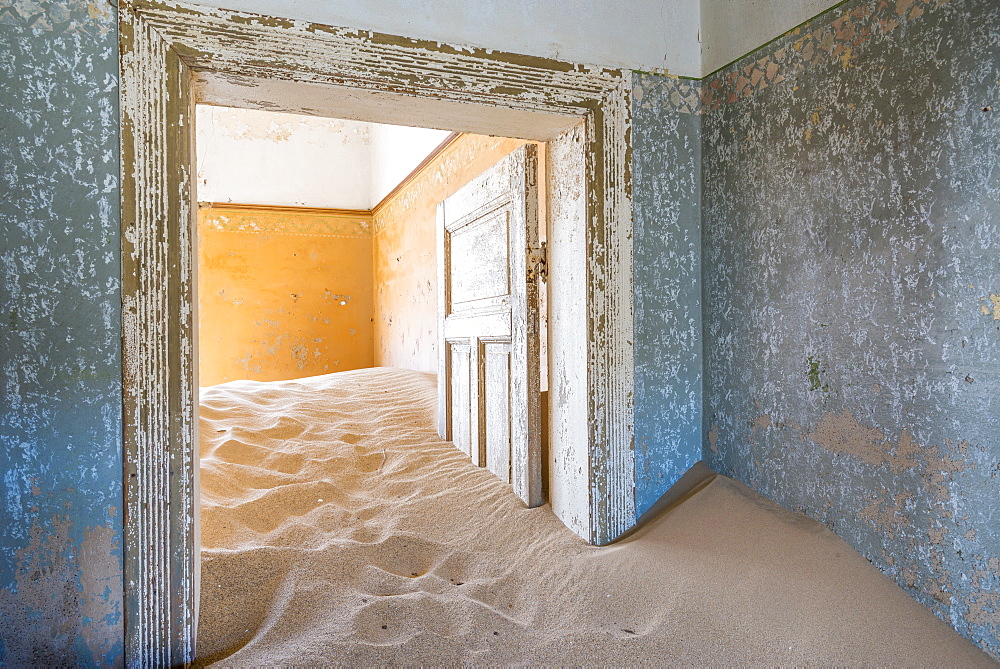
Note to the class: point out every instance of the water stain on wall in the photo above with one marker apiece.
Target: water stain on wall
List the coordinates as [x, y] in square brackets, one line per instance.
[993, 308]
[64, 592]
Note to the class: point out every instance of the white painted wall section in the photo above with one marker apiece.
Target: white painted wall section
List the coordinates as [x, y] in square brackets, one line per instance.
[251, 156]
[690, 38]
[395, 152]
[635, 34]
[732, 28]
[258, 157]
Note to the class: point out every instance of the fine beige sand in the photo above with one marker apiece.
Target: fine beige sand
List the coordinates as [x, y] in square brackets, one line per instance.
[338, 529]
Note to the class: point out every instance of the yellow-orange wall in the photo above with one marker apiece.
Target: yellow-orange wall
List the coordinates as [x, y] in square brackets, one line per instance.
[283, 293]
[405, 251]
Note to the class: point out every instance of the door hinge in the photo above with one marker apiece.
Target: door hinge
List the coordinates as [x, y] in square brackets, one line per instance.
[540, 260]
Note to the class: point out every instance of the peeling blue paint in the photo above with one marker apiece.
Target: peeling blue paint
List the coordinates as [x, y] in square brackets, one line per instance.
[851, 212]
[833, 199]
[60, 397]
[666, 168]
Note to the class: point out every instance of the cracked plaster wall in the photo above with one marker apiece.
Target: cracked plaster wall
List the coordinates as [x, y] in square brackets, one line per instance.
[851, 204]
[848, 198]
[666, 170]
[60, 396]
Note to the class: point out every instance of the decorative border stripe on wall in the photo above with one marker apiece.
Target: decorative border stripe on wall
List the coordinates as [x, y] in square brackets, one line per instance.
[264, 219]
[795, 51]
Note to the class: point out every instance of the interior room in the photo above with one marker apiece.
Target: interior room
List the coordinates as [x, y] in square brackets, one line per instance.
[287, 253]
[771, 337]
[318, 255]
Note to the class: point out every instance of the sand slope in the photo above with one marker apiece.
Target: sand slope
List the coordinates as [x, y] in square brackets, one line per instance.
[338, 529]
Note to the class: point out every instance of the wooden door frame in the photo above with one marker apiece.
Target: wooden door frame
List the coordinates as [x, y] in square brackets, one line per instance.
[173, 55]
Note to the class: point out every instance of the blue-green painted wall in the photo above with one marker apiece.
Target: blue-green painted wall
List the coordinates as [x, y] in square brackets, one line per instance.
[60, 396]
[851, 223]
[666, 179]
[830, 204]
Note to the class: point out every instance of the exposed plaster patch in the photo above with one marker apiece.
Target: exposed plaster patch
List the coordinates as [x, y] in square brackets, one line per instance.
[941, 468]
[994, 308]
[984, 600]
[60, 595]
[713, 438]
[42, 608]
[889, 519]
[100, 579]
[841, 433]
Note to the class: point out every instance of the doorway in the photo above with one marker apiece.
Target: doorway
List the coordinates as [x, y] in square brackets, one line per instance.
[291, 268]
[173, 56]
[329, 245]
[295, 458]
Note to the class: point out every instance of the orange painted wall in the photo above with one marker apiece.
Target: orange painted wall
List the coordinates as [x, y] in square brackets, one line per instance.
[283, 293]
[405, 254]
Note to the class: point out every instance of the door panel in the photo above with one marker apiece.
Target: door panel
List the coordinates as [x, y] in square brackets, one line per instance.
[460, 379]
[488, 373]
[569, 452]
[496, 393]
[484, 244]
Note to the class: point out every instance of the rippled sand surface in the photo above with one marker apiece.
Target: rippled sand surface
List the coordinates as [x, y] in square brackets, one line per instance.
[337, 528]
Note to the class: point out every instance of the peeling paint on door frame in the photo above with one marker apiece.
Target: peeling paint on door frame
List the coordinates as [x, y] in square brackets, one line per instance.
[174, 54]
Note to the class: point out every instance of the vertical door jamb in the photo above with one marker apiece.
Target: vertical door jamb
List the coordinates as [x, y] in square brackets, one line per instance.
[161, 560]
[444, 351]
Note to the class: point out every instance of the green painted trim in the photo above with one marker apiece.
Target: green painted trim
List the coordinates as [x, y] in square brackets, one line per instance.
[752, 51]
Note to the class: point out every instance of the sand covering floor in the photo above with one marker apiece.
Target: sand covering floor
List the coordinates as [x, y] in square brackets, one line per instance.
[339, 529]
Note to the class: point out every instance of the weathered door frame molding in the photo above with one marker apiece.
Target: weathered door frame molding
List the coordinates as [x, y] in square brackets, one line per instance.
[173, 55]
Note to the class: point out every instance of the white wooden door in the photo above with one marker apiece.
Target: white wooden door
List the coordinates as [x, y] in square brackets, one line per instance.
[488, 353]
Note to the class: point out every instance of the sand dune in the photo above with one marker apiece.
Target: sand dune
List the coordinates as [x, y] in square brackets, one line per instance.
[337, 528]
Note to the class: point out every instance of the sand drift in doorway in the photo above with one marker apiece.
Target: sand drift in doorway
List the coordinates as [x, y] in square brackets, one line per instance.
[339, 528]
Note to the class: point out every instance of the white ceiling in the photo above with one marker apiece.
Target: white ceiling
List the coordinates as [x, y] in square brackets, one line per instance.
[259, 157]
